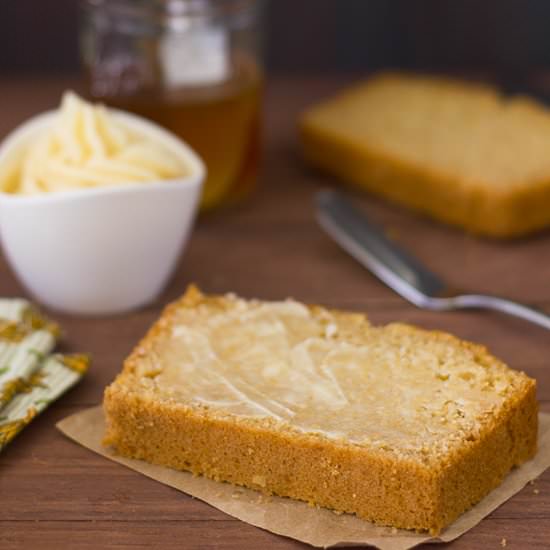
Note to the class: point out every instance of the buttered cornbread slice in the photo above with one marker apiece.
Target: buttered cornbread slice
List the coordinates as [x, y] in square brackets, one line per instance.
[459, 152]
[398, 425]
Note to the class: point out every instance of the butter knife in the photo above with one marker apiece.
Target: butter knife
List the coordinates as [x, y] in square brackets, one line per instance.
[365, 242]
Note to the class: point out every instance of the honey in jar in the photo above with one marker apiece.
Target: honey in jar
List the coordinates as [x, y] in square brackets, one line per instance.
[197, 73]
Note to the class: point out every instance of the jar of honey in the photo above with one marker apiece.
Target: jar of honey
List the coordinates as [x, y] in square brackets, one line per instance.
[193, 66]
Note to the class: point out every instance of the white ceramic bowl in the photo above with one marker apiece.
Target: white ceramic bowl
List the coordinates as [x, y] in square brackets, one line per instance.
[101, 250]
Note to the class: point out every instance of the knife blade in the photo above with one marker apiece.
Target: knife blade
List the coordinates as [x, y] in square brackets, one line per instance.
[368, 244]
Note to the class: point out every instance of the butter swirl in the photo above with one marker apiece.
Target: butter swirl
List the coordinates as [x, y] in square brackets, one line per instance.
[385, 388]
[86, 146]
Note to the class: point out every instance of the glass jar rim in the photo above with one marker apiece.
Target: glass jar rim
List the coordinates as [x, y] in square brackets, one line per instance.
[166, 10]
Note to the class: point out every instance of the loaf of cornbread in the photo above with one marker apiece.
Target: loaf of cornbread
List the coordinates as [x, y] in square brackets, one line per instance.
[458, 152]
[401, 426]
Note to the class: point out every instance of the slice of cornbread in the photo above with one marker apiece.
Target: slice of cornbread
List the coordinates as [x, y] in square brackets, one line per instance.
[398, 425]
[458, 152]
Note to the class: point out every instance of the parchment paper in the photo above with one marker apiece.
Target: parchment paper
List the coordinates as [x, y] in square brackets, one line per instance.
[318, 527]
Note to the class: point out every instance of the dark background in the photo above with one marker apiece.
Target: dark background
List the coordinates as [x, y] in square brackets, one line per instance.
[505, 37]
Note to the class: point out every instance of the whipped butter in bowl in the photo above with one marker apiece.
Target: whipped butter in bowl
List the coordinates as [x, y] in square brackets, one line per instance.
[95, 206]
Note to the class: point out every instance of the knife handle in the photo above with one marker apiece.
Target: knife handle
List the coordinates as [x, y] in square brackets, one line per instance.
[515, 309]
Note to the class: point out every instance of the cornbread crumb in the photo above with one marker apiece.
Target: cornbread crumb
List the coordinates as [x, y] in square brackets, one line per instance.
[259, 480]
[536, 491]
[401, 426]
[503, 542]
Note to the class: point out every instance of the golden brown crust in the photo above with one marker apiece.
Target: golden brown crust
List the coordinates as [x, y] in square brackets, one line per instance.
[345, 478]
[474, 206]
[379, 486]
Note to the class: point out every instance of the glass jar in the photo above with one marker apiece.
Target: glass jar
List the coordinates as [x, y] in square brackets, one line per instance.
[193, 66]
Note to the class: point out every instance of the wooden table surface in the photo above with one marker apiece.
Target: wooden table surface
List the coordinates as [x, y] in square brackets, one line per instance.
[56, 494]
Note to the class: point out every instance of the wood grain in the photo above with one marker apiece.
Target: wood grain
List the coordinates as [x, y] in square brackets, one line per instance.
[56, 494]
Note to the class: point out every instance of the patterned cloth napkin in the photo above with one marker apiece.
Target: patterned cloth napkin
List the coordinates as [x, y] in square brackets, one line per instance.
[31, 376]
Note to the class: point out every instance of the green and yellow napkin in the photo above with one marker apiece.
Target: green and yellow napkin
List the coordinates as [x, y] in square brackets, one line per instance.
[31, 376]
